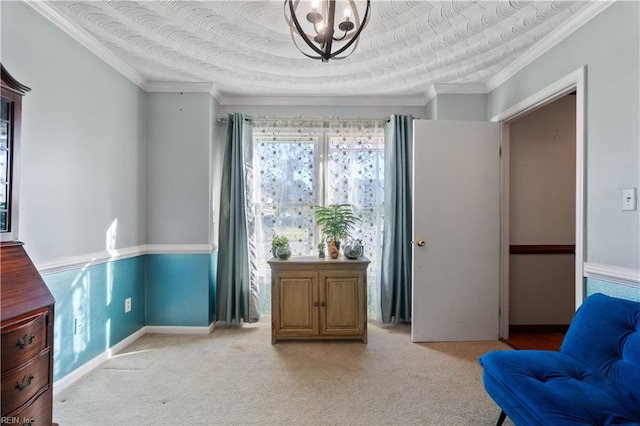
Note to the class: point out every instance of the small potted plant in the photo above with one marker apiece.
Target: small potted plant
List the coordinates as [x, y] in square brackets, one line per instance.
[321, 249]
[336, 222]
[280, 247]
[354, 250]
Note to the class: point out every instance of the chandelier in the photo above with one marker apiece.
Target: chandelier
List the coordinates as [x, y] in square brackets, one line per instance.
[323, 41]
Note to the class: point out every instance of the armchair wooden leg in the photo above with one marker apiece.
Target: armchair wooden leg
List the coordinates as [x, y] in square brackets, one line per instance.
[503, 416]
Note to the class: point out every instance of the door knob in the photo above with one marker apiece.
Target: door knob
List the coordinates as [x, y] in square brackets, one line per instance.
[420, 243]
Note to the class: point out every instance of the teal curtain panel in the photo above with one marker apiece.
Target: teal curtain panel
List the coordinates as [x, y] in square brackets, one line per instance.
[396, 267]
[235, 296]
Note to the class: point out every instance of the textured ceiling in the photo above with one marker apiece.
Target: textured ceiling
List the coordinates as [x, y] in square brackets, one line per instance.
[243, 48]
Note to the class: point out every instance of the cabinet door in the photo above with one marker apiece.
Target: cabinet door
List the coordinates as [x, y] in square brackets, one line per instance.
[296, 299]
[343, 296]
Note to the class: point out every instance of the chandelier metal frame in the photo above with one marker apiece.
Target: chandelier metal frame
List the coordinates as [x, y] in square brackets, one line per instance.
[322, 42]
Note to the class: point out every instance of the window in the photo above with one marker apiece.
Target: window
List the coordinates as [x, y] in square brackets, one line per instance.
[298, 168]
[5, 165]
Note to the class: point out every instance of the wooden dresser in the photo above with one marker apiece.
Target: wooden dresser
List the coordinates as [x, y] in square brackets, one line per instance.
[314, 298]
[26, 304]
[27, 339]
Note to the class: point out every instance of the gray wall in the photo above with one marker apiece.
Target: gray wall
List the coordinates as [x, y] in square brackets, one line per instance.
[609, 45]
[466, 107]
[178, 159]
[83, 142]
[215, 169]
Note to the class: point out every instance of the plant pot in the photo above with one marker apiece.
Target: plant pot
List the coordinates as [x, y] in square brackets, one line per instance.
[333, 248]
[283, 253]
[353, 251]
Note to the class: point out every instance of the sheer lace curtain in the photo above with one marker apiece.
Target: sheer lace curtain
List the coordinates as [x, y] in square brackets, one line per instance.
[302, 162]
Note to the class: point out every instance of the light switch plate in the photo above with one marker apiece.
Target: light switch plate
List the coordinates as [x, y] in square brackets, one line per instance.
[629, 199]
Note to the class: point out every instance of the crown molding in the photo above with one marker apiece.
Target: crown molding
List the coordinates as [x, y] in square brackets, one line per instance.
[183, 87]
[408, 101]
[549, 41]
[460, 89]
[215, 92]
[431, 94]
[177, 86]
[87, 40]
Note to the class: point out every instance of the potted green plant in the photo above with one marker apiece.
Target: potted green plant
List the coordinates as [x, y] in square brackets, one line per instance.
[336, 222]
[280, 247]
[321, 248]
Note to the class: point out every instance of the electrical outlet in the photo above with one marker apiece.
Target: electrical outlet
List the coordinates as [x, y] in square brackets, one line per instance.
[78, 325]
[127, 305]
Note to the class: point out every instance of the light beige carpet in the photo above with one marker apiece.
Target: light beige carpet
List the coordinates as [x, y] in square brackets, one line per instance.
[234, 376]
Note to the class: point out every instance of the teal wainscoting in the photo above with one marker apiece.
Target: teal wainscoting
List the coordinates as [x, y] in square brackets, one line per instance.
[178, 290]
[623, 291]
[96, 295]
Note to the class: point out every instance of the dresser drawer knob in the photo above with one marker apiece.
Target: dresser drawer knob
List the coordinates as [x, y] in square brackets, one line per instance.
[26, 381]
[26, 340]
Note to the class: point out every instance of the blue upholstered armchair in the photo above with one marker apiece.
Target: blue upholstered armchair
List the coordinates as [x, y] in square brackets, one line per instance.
[594, 379]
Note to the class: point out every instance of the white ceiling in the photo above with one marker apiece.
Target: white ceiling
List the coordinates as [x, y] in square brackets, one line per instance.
[238, 49]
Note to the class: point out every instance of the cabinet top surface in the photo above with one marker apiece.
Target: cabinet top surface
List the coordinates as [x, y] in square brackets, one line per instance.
[316, 261]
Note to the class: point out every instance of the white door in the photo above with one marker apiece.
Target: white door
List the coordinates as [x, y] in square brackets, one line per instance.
[456, 213]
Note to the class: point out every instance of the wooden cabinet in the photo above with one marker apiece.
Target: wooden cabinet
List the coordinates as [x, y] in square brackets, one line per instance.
[26, 338]
[26, 304]
[314, 298]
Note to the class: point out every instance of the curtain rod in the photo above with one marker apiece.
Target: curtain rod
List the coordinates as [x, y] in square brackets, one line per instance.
[225, 117]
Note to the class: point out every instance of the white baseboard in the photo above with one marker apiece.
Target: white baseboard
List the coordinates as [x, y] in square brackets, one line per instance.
[163, 329]
[94, 363]
[616, 274]
[89, 366]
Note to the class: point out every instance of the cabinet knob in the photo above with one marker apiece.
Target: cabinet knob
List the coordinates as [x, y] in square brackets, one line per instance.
[315, 303]
[322, 304]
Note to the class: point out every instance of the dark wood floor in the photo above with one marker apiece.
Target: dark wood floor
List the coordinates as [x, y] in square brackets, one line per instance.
[546, 341]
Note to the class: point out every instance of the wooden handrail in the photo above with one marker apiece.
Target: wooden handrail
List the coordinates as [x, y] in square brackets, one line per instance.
[543, 249]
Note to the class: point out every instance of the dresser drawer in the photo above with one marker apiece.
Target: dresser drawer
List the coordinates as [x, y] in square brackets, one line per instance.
[23, 383]
[24, 340]
[37, 413]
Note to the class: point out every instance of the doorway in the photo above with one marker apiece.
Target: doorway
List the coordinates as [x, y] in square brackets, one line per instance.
[572, 85]
[542, 225]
